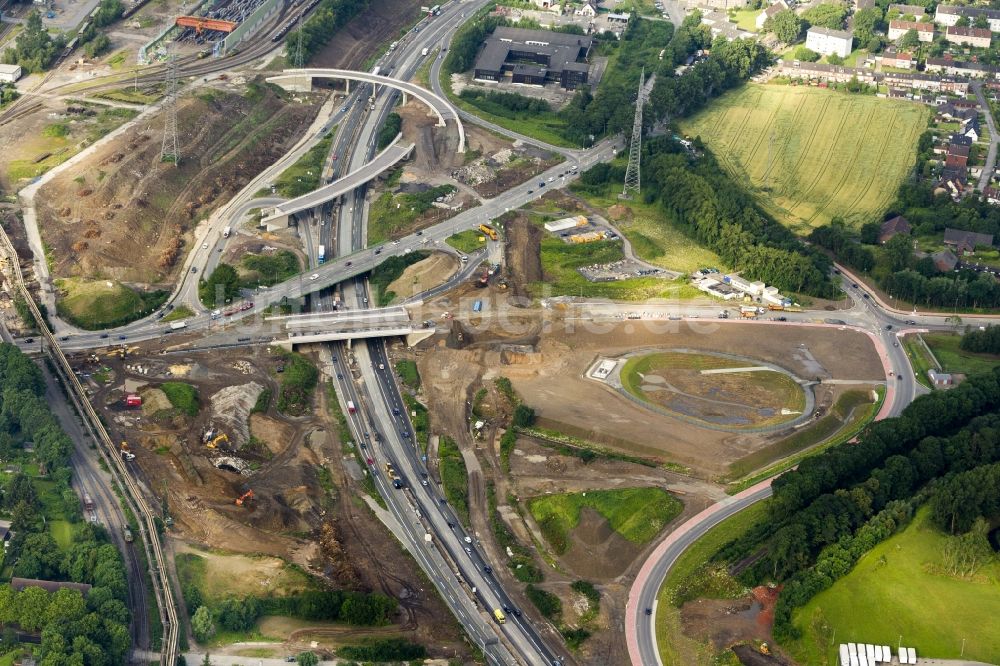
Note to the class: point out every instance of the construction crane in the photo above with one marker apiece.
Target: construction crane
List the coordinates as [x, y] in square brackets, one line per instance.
[244, 498]
[222, 438]
[199, 24]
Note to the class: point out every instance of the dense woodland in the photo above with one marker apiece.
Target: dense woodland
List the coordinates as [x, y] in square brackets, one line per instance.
[74, 629]
[321, 25]
[982, 341]
[837, 505]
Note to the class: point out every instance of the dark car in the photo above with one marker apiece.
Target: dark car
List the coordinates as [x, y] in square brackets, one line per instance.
[649, 611]
[541, 184]
[531, 191]
[899, 377]
[348, 263]
[488, 569]
[420, 233]
[103, 335]
[910, 322]
[194, 269]
[123, 337]
[782, 318]
[888, 327]
[29, 340]
[516, 612]
[864, 295]
[855, 285]
[378, 251]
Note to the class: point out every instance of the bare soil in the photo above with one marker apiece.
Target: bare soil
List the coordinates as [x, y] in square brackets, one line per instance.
[728, 623]
[424, 274]
[124, 214]
[378, 24]
[522, 254]
[299, 513]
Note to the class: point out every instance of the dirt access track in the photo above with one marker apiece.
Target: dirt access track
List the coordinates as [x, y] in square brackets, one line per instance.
[125, 215]
[552, 381]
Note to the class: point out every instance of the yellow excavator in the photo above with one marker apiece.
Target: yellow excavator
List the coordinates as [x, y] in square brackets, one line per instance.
[222, 438]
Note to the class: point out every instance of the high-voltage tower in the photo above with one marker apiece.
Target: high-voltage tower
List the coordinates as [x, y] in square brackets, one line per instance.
[169, 151]
[632, 179]
[299, 59]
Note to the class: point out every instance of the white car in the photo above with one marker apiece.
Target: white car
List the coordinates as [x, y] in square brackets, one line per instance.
[314, 276]
[204, 246]
[551, 178]
[468, 539]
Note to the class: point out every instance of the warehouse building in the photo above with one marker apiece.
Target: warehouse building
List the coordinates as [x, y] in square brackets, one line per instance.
[534, 57]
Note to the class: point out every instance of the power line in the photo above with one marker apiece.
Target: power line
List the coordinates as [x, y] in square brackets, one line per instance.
[632, 175]
[169, 151]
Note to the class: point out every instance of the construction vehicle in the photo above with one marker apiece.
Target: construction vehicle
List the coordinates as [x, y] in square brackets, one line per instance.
[489, 231]
[221, 438]
[128, 534]
[390, 472]
[499, 616]
[126, 452]
[484, 280]
[244, 498]
[764, 649]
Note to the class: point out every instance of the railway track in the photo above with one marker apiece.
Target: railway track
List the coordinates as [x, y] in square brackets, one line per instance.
[132, 493]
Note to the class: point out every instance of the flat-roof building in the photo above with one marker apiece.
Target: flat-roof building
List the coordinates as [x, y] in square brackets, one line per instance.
[534, 57]
[9, 73]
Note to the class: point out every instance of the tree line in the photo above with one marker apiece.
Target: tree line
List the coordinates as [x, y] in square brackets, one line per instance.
[982, 341]
[837, 505]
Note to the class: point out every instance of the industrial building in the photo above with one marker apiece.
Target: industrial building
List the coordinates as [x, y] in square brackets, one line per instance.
[534, 57]
[9, 73]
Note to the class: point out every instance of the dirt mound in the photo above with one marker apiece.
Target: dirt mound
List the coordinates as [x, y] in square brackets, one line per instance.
[596, 551]
[126, 215]
[231, 407]
[522, 250]
[423, 275]
[275, 434]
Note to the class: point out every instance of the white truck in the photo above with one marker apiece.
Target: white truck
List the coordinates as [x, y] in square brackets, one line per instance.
[226, 232]
[425, 51]
[178, 325]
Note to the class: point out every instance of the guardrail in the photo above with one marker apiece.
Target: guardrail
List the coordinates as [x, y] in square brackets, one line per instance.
[132, 493]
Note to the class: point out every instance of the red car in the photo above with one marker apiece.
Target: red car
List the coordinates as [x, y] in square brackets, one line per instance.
[370, 461]
[246, 306]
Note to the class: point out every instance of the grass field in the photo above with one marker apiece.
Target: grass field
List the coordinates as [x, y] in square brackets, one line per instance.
[466, 241]
[560, 262]
[676, 649]
[94, 304]
[953, 359]
[638, 514]
[896, 590]
[218, 575]
[178, 313]
[62, 532]
[811, 154]
[920, 360]
[657, 241]
[304, 175]
[182, 396]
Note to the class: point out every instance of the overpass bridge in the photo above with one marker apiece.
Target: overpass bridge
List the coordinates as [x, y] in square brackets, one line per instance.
[278, 217]
[302, 80]
[350, 325]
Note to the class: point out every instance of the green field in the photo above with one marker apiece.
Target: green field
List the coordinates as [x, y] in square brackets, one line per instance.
[95, 304]
[560, 262]
[182, 396]
[62, 532]
[657, 241]
[954, 359]
[896, 590]
[811, 154]
[466, 241]
[638, 514]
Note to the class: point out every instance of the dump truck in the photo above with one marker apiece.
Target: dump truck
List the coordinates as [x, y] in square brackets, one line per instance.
[499, 616]
[489, 231]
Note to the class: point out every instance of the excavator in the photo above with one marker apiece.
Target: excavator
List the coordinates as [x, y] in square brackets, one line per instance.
[126, 452]
[222, 438]
[244, 498]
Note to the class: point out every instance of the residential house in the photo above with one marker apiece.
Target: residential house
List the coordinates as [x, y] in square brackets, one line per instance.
[18, 584]
[960, 140]
[954, 67]
[898, 59]
[944, 260]
[897, 225]
[977, 37]
[588, 8]
[916, 11]
[950, 14]
[715, 4]
[971, 129]
[829, 42]
[769, 12]
[992, 195]
[940, 379]
[921, 81]
[957, 160]
[966, 242]
[925, 31]
[955, 181]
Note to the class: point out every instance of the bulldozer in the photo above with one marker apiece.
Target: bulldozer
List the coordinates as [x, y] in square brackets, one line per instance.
[244, 498]
[221, 438]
